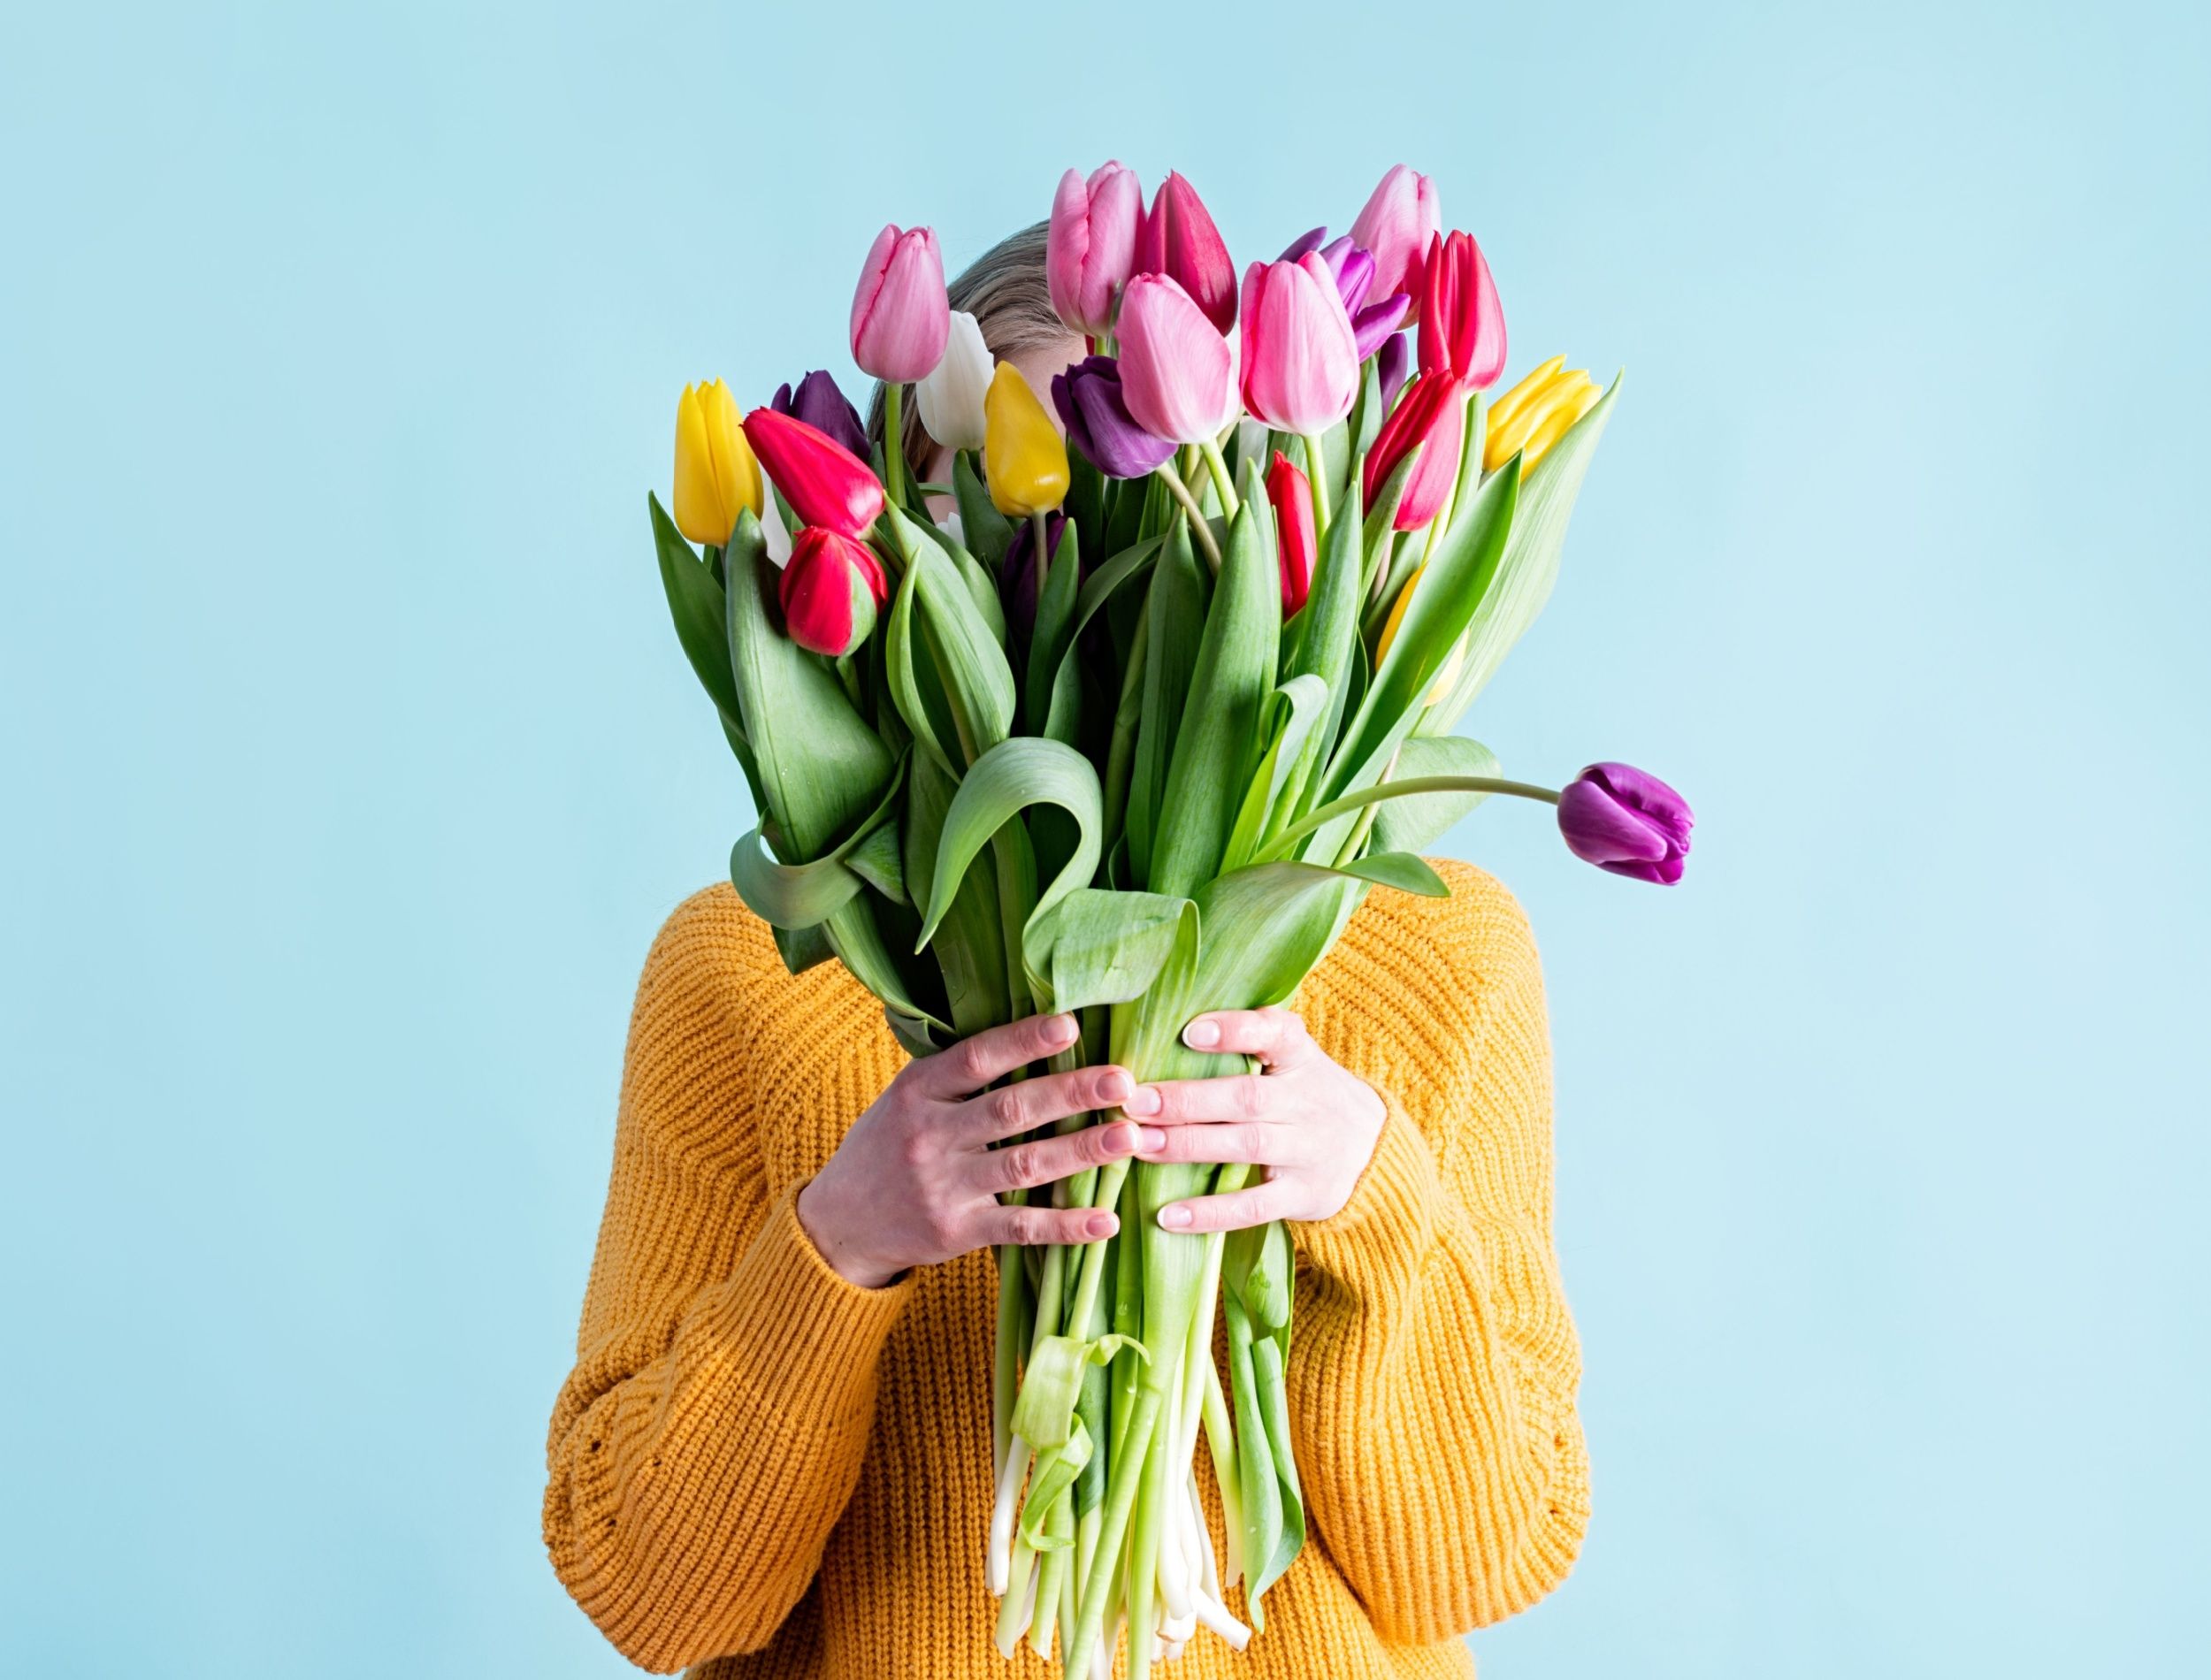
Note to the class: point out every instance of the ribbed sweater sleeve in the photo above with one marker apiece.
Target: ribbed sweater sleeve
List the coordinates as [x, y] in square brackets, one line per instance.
[1431, 1401]
[710, 1434]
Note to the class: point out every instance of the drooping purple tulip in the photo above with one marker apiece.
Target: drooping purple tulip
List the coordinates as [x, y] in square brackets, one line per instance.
[822, 406]
[1096, 413]
[1395, 365]
[1626, 821]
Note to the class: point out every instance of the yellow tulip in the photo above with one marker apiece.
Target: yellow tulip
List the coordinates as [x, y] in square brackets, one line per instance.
[1396, 616]
[716, 474]
[1024, 457]
[1535, 414]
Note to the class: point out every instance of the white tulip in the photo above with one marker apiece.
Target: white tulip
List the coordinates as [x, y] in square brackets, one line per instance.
[772, 530]
[952, 396]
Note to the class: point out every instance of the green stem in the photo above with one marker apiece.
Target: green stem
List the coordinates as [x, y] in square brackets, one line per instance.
[1325, 814]
[1199, 531]
[894, 441]
[1039, 533]
[1317, 470]
[1217, 464]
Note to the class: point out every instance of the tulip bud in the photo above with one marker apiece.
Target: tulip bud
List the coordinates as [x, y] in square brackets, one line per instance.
[1398, 221]
[1180, 240]
[899, 316]
[1535, 414]
[1354, 271]
[1024, 458]
[822, 404]
[1300, 356]
[1462, 323]
[1394, 361]
[1021, 581]
[830, 592]
[825, 484]
[951, 398]
[1095, 411]
[1627, 822]
[1176, 371]
[716, 474]
[1432, 418]
[1290, 493]
[1090, 245]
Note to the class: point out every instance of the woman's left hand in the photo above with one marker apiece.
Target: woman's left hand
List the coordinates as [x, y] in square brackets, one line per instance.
[1309, 1123]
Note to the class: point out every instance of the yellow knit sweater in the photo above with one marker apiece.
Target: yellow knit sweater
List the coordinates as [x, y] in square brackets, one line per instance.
[764, 1471]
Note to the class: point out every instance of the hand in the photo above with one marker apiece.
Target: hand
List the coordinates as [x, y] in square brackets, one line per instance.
[1311, 1124]
[915, 1180]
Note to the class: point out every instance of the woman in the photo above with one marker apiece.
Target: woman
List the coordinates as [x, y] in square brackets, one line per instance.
[766, 1462]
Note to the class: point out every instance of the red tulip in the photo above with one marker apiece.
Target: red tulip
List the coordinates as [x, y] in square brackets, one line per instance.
[825, 484]
[1180, 240]
[830, 592]
[1292, 493]
[900, 318]
[1433, 418]
[1462, 323]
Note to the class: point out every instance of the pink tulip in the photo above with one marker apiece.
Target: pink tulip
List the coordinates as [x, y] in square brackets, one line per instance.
[1180, 240]
[1300, 357]
[1398, 221]
[1090, 247]
[900, 317]
[1177, 375]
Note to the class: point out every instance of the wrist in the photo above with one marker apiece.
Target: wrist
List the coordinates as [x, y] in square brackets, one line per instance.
[816, 1212]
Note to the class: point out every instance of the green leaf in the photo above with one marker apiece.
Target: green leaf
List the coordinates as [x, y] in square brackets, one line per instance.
[695, 602]
[1417, 822]
[969, 945]
[1099, 589]
[1406, 871]
[987, 532]
[1299, 704]
[1175, 618]
[1054, 632]
[799, 894]
[879, 860]
[802, 948]
[1106, 947]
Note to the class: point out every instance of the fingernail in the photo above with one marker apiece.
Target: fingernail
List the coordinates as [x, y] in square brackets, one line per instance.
[1202, 1035]
[1102, 1225]
[1174, 1217]
[1144, 1100]
[1114, 1088]
[1151, 1137]
[1060, 1030]
[1124, 1140]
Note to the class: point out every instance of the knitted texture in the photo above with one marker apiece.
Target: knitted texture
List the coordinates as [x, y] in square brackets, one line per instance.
[767, 1472]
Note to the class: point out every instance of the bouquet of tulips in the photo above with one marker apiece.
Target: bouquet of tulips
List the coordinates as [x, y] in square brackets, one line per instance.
[1129, 733]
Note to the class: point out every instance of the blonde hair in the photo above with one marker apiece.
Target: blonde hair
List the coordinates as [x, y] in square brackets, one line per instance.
[1005, 289]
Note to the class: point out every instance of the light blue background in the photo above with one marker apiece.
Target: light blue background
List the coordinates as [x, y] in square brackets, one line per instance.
[349, 763]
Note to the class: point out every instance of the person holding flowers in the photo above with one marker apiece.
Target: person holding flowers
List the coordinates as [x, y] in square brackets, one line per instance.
[975, 1179]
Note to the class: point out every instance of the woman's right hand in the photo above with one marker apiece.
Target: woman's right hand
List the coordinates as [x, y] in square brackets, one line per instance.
[916, 1181]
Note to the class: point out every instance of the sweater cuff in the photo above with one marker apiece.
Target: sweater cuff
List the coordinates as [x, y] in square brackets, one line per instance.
[801, 1334]
[1391, 1213]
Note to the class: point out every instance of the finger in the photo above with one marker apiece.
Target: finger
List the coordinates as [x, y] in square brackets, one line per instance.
[1050, 1159]
[1032, 1226]
[1250, 1140]
[1259, 1204]
[969, 1066]
[1198, 1102]
[1276, 1035]
[1030, 1103]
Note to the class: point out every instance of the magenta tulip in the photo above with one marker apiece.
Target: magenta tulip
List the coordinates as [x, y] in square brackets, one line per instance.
[1177, 374]
[830, 592]
[1180, 240]
[1291, 494]
[1400, 218]
[1300, 356]
[900, 318]
[825, 483]
[1090, 247]
[1462, 323]
[1626, 821]
[1432, 419]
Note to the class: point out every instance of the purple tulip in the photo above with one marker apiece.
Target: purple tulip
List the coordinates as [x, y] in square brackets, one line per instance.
[1354, 271]
[822, 404]
[1018, 583]
[1095, 415]
[1312, 240]
[1396, 363]
[1626, 821]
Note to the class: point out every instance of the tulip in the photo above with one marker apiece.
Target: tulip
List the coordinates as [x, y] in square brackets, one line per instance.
[1536, 413]
[822, 404]
[1625, 821]
[1311, 239]
[1300, 356]
[1291, 494]
[1021, 580]
[825, 484]
[1433, 418]
[1180, 240]
[1462, 323]
[900, 318]
[951, 398]
[716, 474]
[1177, 373]
[1396, 360]
[1024, 458]
[1397, 223]
[1354, 271]
[1090, 245]
[1095, 410]
[830, 592]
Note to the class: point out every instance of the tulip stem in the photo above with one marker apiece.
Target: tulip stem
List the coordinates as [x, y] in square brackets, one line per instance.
[1202, 532]
[1039, 535]
[1317, 470]
[1283, 843]
[894, 441]
[1218, 467]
